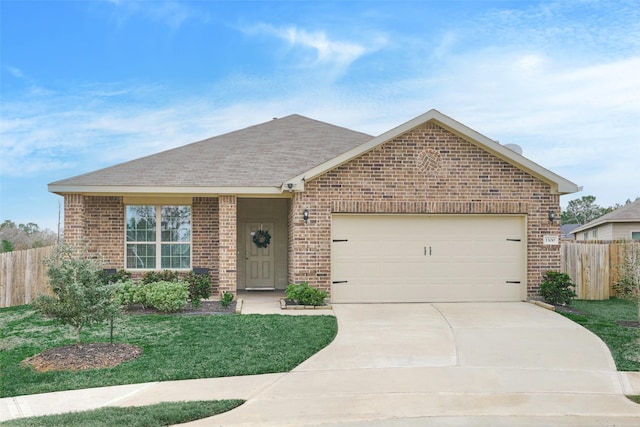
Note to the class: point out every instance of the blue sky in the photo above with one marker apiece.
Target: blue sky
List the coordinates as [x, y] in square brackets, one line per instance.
[88, 84]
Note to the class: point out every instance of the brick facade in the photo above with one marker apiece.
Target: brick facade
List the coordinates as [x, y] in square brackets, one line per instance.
[428, 170]
[99, 221]
[204, 237]
[227, 220]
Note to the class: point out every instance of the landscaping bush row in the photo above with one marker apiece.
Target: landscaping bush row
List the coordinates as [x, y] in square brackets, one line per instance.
[163, 290]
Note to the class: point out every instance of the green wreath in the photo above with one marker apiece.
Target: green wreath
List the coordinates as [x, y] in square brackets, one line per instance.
[262, 238]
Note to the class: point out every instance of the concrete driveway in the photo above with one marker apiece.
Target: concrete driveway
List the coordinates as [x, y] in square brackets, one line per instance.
[446, 364]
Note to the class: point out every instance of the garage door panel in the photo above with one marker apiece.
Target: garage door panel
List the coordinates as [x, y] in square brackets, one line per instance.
[404, 258]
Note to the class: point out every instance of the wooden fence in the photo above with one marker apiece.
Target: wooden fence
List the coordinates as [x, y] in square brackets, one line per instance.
[23, 276]
[595, 266]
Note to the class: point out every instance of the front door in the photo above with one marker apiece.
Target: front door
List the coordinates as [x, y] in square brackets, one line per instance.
[259, 262]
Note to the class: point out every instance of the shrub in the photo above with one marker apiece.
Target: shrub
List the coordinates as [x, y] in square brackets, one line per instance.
[226, 298]
[160, 276]
[119, 276]
[199, 287]
[167, 296]
[304, 294]
[557, 288]
[125, 293]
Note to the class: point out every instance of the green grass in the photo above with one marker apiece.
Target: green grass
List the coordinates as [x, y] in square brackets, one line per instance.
[175, 348]
[601, 317]
[162, 414]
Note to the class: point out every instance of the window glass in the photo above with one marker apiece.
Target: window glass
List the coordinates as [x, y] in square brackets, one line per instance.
[635, 235]
[176, 223]
[141, 223]
[172, 240]
[141, 256]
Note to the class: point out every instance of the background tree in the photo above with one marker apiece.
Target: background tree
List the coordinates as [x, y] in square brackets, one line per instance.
[582, 210]
[24, 236]
[80, 297]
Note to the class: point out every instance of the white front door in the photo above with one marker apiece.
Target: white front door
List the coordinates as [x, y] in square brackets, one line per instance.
[259, 262]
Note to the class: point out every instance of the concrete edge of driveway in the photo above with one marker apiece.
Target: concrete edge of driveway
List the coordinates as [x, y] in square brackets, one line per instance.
[142, 394]
[630, 382]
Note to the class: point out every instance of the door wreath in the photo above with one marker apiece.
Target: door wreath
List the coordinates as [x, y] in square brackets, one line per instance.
[261, 238]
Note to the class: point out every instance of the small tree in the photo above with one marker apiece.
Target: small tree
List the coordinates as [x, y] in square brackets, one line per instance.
[628, 284]
[80, 297]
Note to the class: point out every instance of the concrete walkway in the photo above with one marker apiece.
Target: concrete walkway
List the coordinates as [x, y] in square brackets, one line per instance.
[408, 364]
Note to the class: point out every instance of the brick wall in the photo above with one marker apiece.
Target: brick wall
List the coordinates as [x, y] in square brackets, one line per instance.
[426, 170]
[227, 221]
[100, 223]
[104, 219]
[74, 226]
[204, 237]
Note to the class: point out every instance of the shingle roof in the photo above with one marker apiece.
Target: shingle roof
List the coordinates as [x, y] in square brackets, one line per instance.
[626, 213]
[263, 155]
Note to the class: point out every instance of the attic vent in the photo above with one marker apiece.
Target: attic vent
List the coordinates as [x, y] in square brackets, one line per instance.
[514, 147]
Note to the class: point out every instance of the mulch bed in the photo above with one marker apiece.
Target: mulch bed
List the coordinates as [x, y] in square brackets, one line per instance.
[104, 355]
[82, 357]
[206, 307]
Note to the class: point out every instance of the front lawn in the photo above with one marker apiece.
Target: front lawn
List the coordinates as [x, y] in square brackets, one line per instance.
[601, 318]
[176, 347]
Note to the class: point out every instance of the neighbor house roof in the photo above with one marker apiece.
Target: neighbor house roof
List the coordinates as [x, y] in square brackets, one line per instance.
[626, 213]
[271, 158]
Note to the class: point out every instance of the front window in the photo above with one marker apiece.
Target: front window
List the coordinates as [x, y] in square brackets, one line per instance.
[158, 237]
[635, 235]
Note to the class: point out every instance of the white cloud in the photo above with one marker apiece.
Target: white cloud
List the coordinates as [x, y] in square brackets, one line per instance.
[173, 14]
[327, 52]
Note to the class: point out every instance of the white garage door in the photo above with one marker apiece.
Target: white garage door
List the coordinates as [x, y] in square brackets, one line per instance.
[427, 258]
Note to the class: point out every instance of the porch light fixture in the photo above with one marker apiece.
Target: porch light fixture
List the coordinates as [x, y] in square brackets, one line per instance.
[305, 215]
[552, 216]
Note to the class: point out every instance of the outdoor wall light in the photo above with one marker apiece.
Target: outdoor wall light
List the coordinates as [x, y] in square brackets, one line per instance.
[552, 216]
[305, 215]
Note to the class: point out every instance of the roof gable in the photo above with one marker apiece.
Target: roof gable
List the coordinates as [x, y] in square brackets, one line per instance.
[626, 213]
[558, 184]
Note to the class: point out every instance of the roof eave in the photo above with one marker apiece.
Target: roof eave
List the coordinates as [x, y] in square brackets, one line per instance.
[104, 190]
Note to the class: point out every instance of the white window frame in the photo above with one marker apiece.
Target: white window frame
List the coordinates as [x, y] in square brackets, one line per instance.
[158, 242]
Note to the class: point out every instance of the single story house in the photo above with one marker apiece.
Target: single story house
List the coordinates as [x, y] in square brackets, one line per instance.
[620, 224]
[428, 211]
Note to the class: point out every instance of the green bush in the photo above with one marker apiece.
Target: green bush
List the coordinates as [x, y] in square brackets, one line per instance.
[125, 293]
[557, 288]
[199, 287]
[167, 296]
[119, 276]
[304, 294]
[160, 276]
[226, 298]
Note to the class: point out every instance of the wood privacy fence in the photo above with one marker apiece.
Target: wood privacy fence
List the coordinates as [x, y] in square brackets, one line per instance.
[595, 267]
[23, 276]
